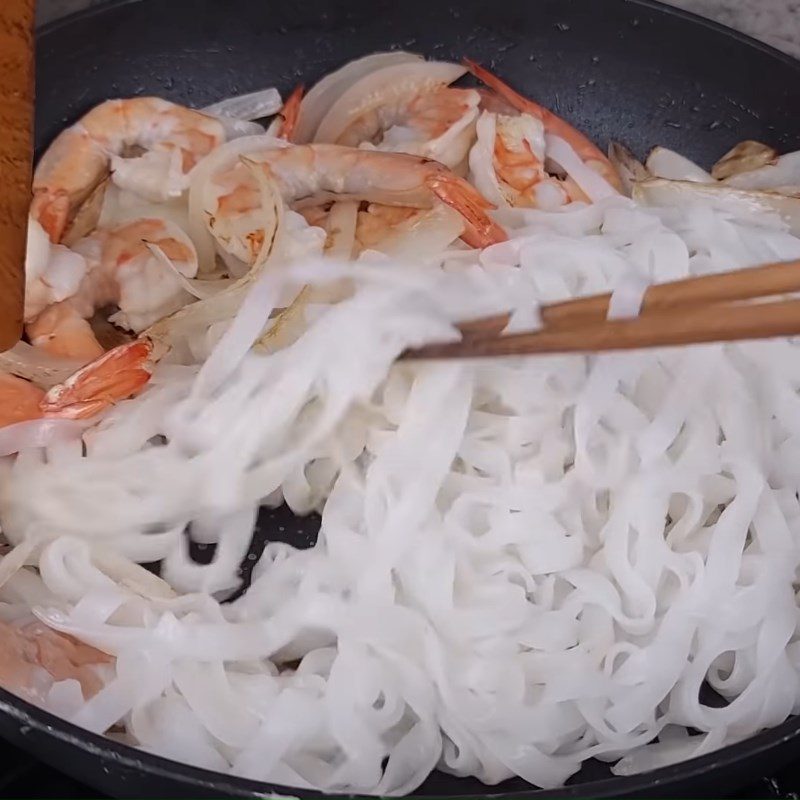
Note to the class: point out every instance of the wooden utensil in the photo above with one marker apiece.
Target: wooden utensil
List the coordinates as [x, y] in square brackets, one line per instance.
[16, 153]
[712, 308]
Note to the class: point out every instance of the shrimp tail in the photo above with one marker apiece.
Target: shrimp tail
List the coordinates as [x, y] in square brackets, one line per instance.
[290, 112]
[583, 146]
[480, 229]
[115, 376]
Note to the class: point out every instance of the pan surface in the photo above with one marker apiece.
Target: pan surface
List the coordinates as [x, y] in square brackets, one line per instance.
[630, 70]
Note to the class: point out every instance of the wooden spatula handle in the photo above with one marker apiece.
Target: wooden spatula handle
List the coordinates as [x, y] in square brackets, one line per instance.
[16, 150]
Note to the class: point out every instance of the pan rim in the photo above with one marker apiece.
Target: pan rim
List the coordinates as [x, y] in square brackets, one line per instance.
[653, 5]
[33, 718]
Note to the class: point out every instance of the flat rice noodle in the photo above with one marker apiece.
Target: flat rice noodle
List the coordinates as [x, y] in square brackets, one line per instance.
[584, 543]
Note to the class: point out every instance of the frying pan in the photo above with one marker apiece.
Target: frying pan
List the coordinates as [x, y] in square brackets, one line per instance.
[632, 70]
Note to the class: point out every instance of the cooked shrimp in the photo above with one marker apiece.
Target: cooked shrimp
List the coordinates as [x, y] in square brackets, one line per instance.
[174, 138]
[588, 152]
[124, 271]
[52, 271]
[61, 331]
[315, 174]
[507, 164]
[114, 376]
[19, 400]
[27, 649]
[406, 108]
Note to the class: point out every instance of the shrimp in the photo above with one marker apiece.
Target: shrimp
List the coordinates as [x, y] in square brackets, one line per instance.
[507, 163]
[174, 138]
[406, 108]
[27, 649]
[61, 331]
[588, 152]
[310, 175]
[19, 400]
[116, 375]
[123, 271]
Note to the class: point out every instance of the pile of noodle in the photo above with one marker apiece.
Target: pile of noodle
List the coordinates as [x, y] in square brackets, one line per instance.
[522, 563]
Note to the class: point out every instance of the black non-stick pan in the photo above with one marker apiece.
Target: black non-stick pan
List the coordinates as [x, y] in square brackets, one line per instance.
[631, 70]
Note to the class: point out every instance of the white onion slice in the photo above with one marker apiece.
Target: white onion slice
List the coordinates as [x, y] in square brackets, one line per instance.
[198, 288]
[784, 172]
[384, 87]
[326, 92]
[664, 163]
[255, 105]
[740, 202]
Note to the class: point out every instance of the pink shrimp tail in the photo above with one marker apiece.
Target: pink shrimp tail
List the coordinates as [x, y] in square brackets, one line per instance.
[480, 229]
[583, 146]
[115, 376]
[290, 113]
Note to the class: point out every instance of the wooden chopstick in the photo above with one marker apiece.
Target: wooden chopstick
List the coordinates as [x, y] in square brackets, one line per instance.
[690, 311]
[16, 152]
[766, 280]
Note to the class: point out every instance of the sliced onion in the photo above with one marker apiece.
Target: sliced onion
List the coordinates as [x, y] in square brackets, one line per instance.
[783, 173]
[629, 168]
[236, 128]
[664, 163]
[324, 94]
[744, 157]
[426, 238]
[384, 87]
[342, 220]
[200, 289]
[740, 202]
[594, 184]
[255, 105]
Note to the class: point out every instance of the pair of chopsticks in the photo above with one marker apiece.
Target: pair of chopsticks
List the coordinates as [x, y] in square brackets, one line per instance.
[711, 308]
[16, 153]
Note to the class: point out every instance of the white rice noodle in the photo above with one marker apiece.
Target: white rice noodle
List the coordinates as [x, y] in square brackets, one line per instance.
[593, 184]
[522, 563]
[38, 433]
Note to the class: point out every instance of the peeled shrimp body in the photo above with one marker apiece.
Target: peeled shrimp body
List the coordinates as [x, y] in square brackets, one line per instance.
[33, 656]
[564, 139]
[124, 271]
[173, 138]
[406, 108]
[507, 163]
[314, 174]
